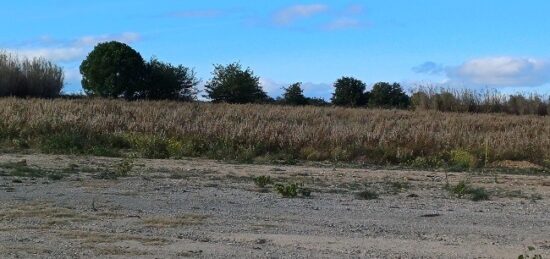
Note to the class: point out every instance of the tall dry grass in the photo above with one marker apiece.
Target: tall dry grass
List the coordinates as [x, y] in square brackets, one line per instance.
[488, 101]
[24, 77]
[312, 133]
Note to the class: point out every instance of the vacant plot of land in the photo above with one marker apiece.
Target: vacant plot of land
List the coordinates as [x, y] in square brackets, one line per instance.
[61, 206]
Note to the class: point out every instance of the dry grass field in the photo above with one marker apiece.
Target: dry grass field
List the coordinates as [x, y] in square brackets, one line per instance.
[256, 133]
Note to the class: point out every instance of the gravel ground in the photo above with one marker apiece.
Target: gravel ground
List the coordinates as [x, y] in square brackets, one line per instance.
[67, 207]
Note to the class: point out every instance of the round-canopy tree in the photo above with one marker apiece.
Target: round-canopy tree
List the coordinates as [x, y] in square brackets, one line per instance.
[386, 95]
[232, 84]
[113, 69]
[349, 92]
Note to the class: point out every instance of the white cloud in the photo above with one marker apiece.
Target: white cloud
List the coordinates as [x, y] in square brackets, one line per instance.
[292, 13]
[69, 51]
[502, 71]
[54, 54]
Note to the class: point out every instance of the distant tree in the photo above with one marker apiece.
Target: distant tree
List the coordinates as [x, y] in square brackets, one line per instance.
[113, 69]
[317, 101]
[387, 95]
[232, 84]
[349, 92]
[165, 81]
[294, 95]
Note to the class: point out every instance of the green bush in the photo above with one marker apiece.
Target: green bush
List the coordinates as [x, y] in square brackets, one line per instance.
[462, 159]
[288, 190]
[150, 146]
[463, 189]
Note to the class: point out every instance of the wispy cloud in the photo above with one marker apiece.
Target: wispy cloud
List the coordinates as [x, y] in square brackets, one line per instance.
[290, 14]
[502, 71]
[343, 23]
[321, 16]
[127, 37]
[211, 13]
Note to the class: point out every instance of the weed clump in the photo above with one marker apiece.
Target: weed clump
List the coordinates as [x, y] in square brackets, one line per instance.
[121, 169]
[463, 189]
[263, 181]
[288, 190]
[462, 160]
[292, 190]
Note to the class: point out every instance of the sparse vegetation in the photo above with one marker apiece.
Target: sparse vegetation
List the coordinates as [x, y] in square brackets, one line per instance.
[263, 181]
[463, 189]
[488, 101]
[367, 195]
[287, 190]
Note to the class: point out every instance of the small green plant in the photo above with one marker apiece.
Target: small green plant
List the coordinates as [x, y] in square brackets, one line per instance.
[124, 167]
[528, 254]
[121, 169]
[288, 190]
[463, 189]
[367, 195]
[462, 160]
[479, 194]
[263, 181]
[460, 189]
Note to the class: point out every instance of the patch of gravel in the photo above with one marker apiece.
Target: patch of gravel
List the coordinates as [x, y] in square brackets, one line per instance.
[205, 209]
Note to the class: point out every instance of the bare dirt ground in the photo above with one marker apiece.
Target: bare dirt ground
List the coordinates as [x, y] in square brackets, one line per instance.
[66, 207]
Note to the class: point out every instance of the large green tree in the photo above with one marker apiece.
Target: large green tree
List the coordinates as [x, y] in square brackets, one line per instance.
[386, 95]
[349, 92]
[165, 81]
[233, 84]
[113, 69]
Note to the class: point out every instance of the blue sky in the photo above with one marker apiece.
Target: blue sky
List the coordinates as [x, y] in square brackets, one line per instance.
[455, 43]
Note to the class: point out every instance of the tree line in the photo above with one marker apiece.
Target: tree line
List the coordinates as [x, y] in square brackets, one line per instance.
[115, 70]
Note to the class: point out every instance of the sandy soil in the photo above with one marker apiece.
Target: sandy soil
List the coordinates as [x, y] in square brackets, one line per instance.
[66, 207]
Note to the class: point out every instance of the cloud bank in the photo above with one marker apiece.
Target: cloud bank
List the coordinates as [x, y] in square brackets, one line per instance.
[72, 50]
[501, 71]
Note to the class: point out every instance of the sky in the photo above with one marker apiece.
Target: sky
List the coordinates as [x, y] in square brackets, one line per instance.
[496, 44]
